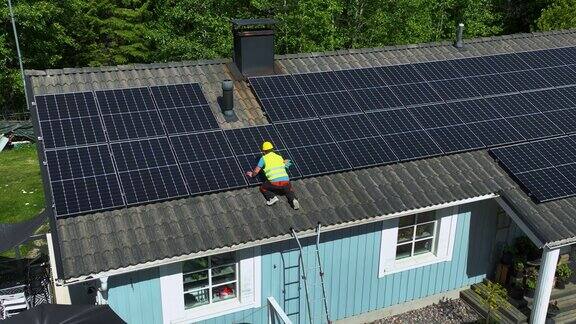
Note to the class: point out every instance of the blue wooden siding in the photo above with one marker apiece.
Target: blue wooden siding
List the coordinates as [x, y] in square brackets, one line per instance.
[135, 296]
[350, 259]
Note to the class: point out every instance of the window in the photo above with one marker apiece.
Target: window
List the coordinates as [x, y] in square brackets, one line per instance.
[417, 240]
[416, 235]
[211, 286]
[210, 280]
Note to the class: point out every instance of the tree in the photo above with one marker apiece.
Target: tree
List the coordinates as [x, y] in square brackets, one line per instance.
[560, 14]
[494, 297]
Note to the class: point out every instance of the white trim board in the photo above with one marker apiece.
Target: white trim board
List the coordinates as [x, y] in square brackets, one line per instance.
[301, 234]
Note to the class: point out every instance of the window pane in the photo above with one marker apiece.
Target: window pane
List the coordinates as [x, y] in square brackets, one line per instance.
[423, 246]
[407, 220]
[403, 251]
[223, 292]
[426, 217]
[195, 280]
[223, 259]
[196, 299]
[425, 230]
[223, 274]
[405, 234]
[196, 264]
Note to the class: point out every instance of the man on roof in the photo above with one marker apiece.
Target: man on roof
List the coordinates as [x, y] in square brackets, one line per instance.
[277, 179]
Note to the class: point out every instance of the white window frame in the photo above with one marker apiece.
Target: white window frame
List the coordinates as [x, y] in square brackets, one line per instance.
[447, 220]
[249, 293]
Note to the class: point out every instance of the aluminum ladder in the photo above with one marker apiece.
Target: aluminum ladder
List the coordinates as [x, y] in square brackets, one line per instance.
[320, 272]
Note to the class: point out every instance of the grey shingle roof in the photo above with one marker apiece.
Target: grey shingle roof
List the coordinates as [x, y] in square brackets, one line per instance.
[115, 239]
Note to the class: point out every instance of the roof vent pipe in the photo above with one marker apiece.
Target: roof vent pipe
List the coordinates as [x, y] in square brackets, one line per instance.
[227, 98]
[459, 43]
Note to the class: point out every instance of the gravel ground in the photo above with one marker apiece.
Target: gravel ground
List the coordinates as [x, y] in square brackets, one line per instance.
[445, 312]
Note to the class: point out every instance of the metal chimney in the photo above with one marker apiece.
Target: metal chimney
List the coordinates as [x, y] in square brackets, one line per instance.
[254, 46]
[227, 98]
[459, 43]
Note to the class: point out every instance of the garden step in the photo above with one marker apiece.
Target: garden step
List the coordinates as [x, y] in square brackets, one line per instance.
[565, 317]
[559, 293]
[508, 314]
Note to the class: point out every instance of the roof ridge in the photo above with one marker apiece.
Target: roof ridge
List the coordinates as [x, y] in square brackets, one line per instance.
[217, 61]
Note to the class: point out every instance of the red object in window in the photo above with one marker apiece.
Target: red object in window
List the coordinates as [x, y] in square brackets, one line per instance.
[225, 291]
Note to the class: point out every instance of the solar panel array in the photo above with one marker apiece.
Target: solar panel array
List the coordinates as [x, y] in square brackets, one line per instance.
[546, 169]
[113, 148]
[381, 115]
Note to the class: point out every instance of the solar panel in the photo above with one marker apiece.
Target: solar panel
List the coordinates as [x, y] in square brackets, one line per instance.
[394, 121]
[83, 179]
[454, 89]
[473, 66]
[188, 119]
[546, 169]
[540, 59]
[546, 184]
[288, 108]
[566, 54]
[275, 86]
[438, 70]
[399, 74]
[303, 133]
[506, 63]
[249, 140]
[359, 78]
[473, 110]
[526, 80]
[548, 100]
[415, 94]
[69, 120]
[455, 138]
[495, 132]
[333, 103]
[412, 145]
[569, 93]
[129, 114]
[349, 127]
[319, 159]
[178, 96]
[512, 105]
[565, 119]
[534, 126]
[491, 84]
[435, 116]
[367, 152]
[559, 76]
[148, 170]
[376, 99]
[213, 175]
[319, 82]
[200, 146]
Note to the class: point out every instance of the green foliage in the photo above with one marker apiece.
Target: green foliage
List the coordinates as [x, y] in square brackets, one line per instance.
[531, 278]
[561, 14]
[563, 272]
[76, 33]
[494, 297]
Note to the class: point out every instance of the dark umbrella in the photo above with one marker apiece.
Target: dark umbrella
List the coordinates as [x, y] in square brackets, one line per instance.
[66, 314]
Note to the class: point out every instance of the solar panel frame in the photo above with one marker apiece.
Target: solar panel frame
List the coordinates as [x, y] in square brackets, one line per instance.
[549, 100]
[200, 175]
[539, 58]
[359, 78]
[559, 76]
[319, 82]
[376, 99]
[201, 146]
[454, 89]
[303, 133]
[288, 108]
[433, 116]
[564, 119]
[526, 80]
[456, 138]
[437, 70]
[488, 85]
[534, 126]
[188, 119]
[350, 127]
[473, 66]
[471, 111]
[367, 152]
[512, 105]
[166, 181]
[399, 74]
[412, 145]
[416, 94]
[333, 103]
[248, 140]
[395, 121]
[546, 184]
[49, 107]
[178, 95]
[320, 159]
[506, 63]
[495, 132]
[125, 100]
[275, 86]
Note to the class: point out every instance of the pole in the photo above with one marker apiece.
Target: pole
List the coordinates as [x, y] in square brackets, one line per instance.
[18, 52]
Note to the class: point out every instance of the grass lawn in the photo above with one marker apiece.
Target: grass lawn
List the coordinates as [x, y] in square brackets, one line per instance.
[21, 191]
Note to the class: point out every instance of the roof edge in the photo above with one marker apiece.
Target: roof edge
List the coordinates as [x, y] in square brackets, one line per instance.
[304, 233]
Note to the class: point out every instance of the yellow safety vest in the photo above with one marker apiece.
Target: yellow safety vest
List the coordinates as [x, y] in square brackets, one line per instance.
[274, 166]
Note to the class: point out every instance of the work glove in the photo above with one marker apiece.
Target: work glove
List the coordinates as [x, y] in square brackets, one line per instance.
[288, 164]
[249, 174]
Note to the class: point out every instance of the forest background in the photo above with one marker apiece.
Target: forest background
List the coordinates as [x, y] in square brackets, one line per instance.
[79, 33]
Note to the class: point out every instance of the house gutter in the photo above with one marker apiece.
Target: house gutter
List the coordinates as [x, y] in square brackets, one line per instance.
[288, 236]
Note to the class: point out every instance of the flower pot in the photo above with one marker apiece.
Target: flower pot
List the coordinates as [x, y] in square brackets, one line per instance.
[529, 292]
[553, 310]
[517, 293]
[560, 284]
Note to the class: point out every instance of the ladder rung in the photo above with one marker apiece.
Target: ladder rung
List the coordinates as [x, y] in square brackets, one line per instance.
[291, 283]
[290, 314]
[291, 298]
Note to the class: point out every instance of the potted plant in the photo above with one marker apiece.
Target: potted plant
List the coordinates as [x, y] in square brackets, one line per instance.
[494, 297]
[531, 280]
[563, 274]
[553, 309]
